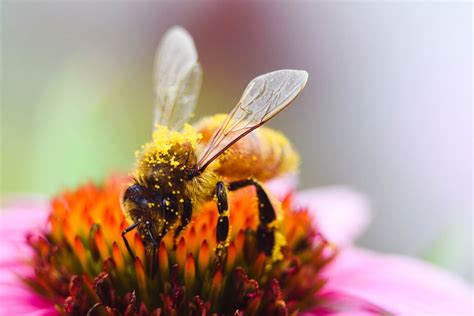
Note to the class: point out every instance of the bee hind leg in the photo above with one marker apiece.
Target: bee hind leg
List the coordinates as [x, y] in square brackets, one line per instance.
[266, 214]
[222, 228]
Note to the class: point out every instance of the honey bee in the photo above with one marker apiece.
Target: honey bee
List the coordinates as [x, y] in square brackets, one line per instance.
[184, 166]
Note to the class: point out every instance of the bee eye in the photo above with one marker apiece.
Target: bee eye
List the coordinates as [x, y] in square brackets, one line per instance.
[133, 192]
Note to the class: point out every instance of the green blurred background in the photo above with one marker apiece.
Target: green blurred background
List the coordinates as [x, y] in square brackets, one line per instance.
[387, 109]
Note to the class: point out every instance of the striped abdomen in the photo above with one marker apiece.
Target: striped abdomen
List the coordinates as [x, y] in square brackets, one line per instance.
[263, 154]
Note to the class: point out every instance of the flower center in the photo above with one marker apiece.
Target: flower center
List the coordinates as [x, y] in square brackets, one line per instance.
[82, 265]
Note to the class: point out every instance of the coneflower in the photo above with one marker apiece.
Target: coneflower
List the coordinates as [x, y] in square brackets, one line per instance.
[82, 265]
[77, 264]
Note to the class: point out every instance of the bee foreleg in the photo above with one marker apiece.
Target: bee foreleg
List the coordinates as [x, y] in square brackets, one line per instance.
[94, 307]
[126, 231]
[154, 242]
[222, 228]
[266, 214]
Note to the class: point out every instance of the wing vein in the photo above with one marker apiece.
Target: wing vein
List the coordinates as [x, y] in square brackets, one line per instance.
[264, 97]
[178, 78]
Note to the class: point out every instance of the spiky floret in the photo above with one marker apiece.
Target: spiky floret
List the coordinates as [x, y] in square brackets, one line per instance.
[80, 261]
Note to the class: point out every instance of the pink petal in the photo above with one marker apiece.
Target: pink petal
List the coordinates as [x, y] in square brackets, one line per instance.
[401, 285]
[282, 186]
[340, 213]
[15, 222]
[340, 304]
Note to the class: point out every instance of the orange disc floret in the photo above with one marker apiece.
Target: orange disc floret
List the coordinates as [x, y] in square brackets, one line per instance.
[82, 265]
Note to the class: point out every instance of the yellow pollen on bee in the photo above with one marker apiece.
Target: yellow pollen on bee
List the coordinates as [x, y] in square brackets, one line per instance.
[273, 224]
[164, 138]
[167, 147]
[174, 162]
[170, 184]
[280, 241]
[181, 200]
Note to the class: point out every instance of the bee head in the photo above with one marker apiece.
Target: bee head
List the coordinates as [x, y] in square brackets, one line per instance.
[143, 205]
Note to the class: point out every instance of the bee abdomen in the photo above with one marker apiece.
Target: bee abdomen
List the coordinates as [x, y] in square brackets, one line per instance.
[263, 154]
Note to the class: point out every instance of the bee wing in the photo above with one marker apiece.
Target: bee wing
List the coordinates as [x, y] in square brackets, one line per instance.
[264, 97]
[177, 77]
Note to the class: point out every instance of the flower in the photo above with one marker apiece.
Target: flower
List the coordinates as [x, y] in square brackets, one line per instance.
[362, 280]
[74, 262]
[17, 220]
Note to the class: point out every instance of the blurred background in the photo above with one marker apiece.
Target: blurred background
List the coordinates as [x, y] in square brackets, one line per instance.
[387, 109]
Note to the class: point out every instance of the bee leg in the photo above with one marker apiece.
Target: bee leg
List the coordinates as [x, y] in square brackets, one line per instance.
[94, 307]
[126, 231]
[222, 229]
[266, 214]
[185, 218]
[154, 262]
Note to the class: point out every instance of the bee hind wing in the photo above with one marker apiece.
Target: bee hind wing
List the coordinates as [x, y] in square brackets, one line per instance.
[177, 79]
[263, 98]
